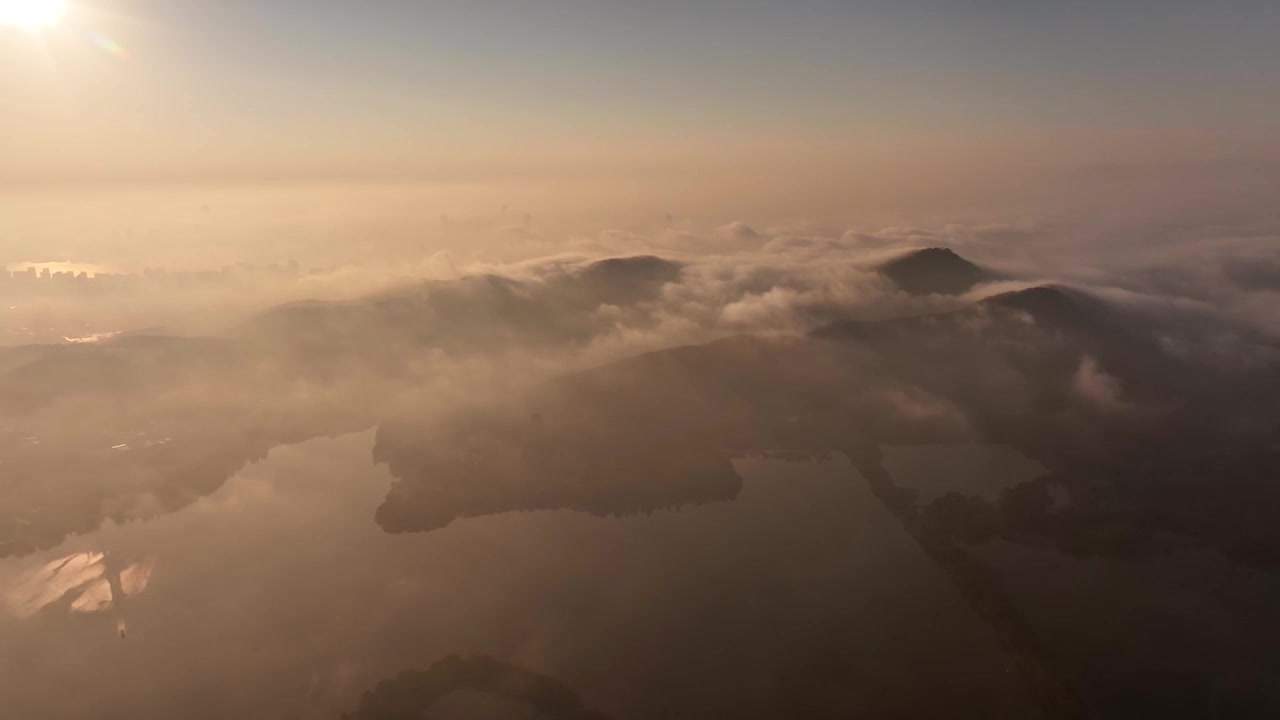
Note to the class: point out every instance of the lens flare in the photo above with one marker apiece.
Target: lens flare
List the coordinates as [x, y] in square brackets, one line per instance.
[106, 44]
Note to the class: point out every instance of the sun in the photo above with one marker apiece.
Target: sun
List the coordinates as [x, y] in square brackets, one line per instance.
[32, 15]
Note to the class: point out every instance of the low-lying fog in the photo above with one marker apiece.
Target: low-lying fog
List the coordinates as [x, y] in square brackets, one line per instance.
[688, 469]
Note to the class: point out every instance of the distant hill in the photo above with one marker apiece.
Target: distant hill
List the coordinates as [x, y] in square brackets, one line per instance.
[480, 313]
[934, 271]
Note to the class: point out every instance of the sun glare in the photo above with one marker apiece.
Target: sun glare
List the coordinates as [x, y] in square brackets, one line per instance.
[32, 15]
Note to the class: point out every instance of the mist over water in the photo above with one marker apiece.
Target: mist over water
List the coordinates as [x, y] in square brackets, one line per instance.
[289, 544]
[640, 361]
[381, 488]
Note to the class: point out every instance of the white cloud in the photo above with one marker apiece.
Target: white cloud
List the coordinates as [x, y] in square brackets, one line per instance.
[1095, 385]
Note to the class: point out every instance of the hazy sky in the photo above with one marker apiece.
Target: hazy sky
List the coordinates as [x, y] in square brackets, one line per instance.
[441, 89]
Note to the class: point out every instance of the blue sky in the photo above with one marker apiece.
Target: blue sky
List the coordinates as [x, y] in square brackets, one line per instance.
[298, 81]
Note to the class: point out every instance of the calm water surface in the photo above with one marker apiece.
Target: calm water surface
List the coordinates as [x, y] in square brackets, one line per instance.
[279, 596]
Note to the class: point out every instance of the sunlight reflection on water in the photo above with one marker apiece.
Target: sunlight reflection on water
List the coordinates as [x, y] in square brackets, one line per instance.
[88, 573]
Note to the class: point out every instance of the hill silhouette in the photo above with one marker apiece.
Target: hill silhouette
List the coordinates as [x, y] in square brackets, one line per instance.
[934, 271]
